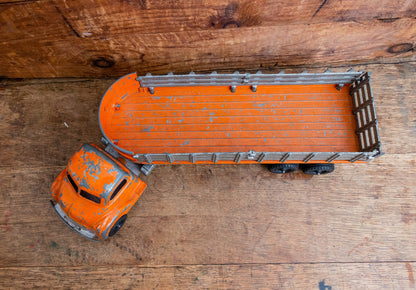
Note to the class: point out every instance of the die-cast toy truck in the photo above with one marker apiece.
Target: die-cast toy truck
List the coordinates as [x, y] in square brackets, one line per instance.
[306, 120]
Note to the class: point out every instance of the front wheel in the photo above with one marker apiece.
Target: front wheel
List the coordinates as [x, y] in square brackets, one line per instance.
[117, 226]
[318, 169]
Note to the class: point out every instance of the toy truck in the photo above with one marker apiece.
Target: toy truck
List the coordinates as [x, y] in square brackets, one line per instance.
[283, 120]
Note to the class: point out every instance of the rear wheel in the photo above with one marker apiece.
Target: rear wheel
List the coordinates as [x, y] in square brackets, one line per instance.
[283, 168]
[318, 169]
[117, 226]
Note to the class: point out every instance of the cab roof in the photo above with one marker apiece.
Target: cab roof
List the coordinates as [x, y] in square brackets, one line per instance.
[95, 171]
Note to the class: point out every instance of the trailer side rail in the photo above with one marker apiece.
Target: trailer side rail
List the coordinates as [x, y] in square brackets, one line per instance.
[237, 79]
[259, 157]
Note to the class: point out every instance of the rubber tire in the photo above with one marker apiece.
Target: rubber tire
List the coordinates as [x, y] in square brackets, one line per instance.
[318, 168]
[283, 168]
[117, 226]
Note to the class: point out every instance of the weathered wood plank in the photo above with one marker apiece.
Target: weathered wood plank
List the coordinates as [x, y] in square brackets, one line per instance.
[73, 43]
[104, 18]
[194, 215]
[203, 50]
[209, 226]
[178, 180]
[394, 90]
[92, 19]
[288, 276]
[40, 127]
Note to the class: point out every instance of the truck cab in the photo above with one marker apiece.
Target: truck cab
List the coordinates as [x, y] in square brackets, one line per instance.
[94, 193]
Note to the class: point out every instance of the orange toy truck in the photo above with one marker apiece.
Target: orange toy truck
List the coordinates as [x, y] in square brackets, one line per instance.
[288, 121]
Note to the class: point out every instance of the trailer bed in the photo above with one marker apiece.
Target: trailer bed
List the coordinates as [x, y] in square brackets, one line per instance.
[213, 119]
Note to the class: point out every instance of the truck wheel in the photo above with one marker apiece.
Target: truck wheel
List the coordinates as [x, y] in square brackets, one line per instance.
[318, 169]
[283, 168]
[117, 226]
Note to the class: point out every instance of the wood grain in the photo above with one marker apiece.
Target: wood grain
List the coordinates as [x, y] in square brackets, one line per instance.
[73, 39]
[209, 226]
[194, 215]
[93, 18]
[112, 18]
[251, 276]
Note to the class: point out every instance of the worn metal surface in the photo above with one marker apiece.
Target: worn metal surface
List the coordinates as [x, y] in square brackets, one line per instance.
[89, 164]
[93, 171]
[72, 224]
[237, 79]
[236, 118]
[259, 157]
[147, 168]
[365, 115]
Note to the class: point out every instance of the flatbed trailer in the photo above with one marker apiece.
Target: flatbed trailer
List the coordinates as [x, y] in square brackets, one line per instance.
[242, 118]
[284, 120]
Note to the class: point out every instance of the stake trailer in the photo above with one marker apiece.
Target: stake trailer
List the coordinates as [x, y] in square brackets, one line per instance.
[283, 120]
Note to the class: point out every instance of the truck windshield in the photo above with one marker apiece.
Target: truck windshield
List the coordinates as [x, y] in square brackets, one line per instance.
[74, 185]
[119, 187]
[90, 196]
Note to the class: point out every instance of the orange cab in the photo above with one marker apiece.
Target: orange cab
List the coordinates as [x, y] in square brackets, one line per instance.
[94, 193]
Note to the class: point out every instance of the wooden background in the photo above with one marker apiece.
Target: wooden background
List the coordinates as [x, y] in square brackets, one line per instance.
[206, 226]
[209, 226]
[100, 38]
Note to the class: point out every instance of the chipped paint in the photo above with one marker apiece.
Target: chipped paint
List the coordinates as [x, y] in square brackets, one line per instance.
[147, 128]
[93, 163]
[88, 162]
[63, 204]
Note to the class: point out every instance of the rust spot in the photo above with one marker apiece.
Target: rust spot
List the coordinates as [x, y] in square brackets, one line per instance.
[400, 48]
[410, 273]
[103, 62]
